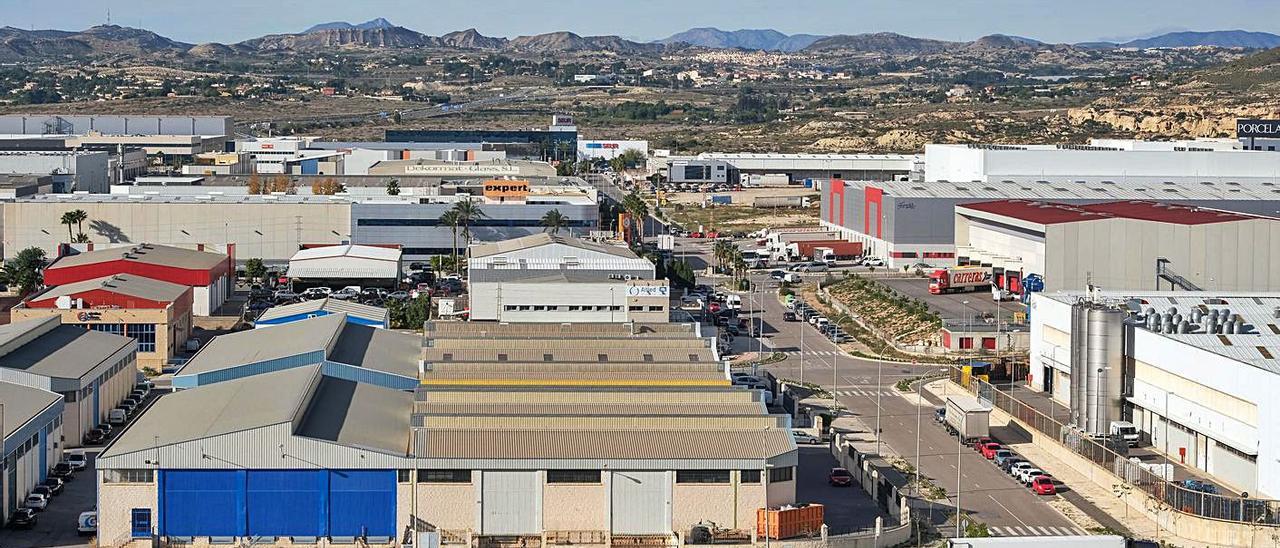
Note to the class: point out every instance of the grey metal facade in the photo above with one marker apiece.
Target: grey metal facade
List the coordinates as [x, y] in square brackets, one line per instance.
[417, 227]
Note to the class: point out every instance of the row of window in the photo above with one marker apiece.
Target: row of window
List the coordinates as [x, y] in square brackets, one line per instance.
[129, 476]
[571, 223]
[562, 308]
[144, 333]
[776, 475]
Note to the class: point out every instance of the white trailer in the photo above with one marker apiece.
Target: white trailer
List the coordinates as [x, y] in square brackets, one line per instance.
[968, 416]
[1081, 541]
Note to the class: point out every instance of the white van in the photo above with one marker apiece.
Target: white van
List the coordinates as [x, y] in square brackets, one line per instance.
[733, 302]
[116, 417]
[87, 524]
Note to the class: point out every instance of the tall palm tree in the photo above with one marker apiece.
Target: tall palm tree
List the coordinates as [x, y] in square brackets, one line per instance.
[468, 212]
[80, 216]
[69, 218]
[554, 220]
[451, 219]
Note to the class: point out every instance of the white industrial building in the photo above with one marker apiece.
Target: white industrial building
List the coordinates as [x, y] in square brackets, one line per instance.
[1124, 245]
[360, 264]
[1195, 372]
[1130, 162]
[86, 171]
[548, 278]
[866, 167]
[910, 222]
[30, 435]
[608, 149]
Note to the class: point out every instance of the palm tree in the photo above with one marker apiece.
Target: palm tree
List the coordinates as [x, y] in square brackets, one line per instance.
[451, 219]
[80, 217]
[69, 218]
[468, 212]
[638, 210]
[554, 220]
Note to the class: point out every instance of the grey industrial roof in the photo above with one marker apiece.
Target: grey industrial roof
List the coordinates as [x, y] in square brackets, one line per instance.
[328, 305]
[66, 351]
[358, 415]
[163, 255]
[352, 344]
[520, 275]
[473, 443]
[378, 349]
[123, 284]
[1155, 189]
[541, 239]
[638, 409]
[586, 330]
[1259, 347]
[217, 409]
[21, 404]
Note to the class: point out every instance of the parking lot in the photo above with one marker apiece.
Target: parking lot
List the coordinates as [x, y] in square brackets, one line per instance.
[951, 306]
[847, 509]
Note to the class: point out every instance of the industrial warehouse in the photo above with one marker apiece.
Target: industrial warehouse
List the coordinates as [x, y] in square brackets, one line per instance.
[630, 434]
[549, 278]
[1194, 371]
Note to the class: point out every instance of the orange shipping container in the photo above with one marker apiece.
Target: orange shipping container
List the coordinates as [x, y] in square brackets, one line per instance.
[790, 522]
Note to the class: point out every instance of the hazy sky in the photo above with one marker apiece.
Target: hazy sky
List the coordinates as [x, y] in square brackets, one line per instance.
[1049, 20]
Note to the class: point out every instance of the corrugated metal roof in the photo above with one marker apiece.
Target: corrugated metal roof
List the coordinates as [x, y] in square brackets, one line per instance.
[515, 274]
[259, 345]
[378, 349]
[122, 284]
[477, 330]
[604, 444]
[154, 254]
[328, 305]
[637, 409]
[1157, 189]
[541, 239]
[21, 404]
[345, 262]
[66, 351]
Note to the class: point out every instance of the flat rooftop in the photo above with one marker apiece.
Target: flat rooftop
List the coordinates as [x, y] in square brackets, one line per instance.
[21, 404]
[60, 351]
[153, 254]
[1049, 213]
[1057, 189]
[124, 284]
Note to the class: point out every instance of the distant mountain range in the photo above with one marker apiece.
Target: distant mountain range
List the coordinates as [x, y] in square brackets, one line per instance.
[750, 39]
[112, 40]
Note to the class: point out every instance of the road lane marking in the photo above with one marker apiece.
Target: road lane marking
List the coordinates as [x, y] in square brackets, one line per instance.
[1006, 509]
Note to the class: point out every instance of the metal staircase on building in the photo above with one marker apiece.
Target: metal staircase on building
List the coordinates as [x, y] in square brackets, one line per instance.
[1163, 272]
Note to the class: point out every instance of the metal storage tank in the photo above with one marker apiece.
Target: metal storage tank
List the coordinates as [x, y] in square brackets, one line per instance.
[1097, 366]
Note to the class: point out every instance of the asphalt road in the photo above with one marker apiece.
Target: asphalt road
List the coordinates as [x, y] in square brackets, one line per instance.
[56, 525]
[951, 306]
[846, 509]
[986, 493]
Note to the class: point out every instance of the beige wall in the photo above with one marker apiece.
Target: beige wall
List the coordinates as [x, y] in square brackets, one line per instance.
[448, 505]
[268, 230]
[692, 503]
[171, 332]
[115, 501]
[575, 507]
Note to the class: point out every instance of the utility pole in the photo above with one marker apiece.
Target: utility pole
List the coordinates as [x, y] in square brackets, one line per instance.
[879, 389]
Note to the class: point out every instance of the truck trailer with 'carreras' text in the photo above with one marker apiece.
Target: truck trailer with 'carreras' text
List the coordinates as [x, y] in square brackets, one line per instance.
[959, 279]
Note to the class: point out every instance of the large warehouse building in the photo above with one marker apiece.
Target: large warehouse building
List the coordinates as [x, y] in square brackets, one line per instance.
[92, 370]
[797, 167]
[547, 278]
[1135, 245]
[598, 444]
[30, 428]
[913, 222]
[210, 275]
[1124, 161]
[1195, 372]
[71, 171]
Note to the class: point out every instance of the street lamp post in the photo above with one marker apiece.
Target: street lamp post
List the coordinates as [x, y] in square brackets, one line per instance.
[879, 388]
[802, 330]
[764, 480]
[960, 440]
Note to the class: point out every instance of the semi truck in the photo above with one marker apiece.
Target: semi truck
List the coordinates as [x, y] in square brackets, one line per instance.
[959, 279]
[968, 417]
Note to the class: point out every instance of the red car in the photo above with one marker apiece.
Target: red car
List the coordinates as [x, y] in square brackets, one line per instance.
[1043, 485]
[713, 235]
[840, 477]
[713, 308]
[695, 235]
[981, 442]
[989, 450]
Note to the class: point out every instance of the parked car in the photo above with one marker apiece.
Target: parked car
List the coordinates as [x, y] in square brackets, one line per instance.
[54, 485]
[873, 261]
[256, 306]
[989, 450]
[95, 437]
[316, 293]
[789, 317]
[398, 296]
[36, 501]
[87, 523]
[1017, 467]
[117, 417]
[44, 490]
[344, 294]
[1003, 455]
[801, 437]
[816, 266]
[777, 275]
[285, 296]
[1043, 485]
[1029, 473]
[840, 477]
[1007, 464]
[23, 518]
[77, 460]
[981, 442]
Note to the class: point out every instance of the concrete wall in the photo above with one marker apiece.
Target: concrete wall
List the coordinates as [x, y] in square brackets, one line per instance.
[271, 231]
[115, 504]
[575, 507]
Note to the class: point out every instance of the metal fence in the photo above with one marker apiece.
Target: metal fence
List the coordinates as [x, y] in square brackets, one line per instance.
[1113, 460]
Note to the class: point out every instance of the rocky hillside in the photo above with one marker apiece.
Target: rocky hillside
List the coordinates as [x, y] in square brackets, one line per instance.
[472, 39]
[881, 42]
[390, 37]
[750, 39]
[555, 42]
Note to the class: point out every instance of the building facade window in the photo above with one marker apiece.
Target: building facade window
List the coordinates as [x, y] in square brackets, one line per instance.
[573, 476]
[702, 476]
[129, 476]
[144, 333]
[749, 476]
[785, 473]
[444, 476]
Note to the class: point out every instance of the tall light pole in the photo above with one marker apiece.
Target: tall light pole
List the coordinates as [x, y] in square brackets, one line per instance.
[764, 480]
[919, 400]
[879, 389]
[960, 439]
[802, 329]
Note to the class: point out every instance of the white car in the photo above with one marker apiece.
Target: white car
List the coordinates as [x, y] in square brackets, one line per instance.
[1018, 467]
[36, 501]
[873, 261]
[802, 437]
[77, 461]
[1026, 473]
[87, 523]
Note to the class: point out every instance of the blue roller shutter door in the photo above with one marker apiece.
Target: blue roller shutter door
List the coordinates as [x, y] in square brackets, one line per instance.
[201, 503]
[287, 503]
[362, 502]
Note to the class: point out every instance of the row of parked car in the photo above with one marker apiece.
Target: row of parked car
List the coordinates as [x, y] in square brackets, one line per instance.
[117, 417]
[1010, 462]
[801, 310]
[40, 497]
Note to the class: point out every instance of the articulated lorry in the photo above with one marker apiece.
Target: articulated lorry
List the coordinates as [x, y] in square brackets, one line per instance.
[968, 417]
[959, 279]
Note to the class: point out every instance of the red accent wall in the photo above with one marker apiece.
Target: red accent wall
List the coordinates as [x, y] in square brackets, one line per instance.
[104, 298]
[836, 213]
[180, 276]
[873, 196]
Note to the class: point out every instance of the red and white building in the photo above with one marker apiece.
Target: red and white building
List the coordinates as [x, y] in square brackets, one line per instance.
[210, 275]
[155, 313]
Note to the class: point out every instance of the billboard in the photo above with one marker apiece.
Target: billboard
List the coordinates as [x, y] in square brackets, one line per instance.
[1269, 129]
[503, 189]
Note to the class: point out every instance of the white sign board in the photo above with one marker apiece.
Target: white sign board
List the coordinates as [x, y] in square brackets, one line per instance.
[648, 291]
[461, 169]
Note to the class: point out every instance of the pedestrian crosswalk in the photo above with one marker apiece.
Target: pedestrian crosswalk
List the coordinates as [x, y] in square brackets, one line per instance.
[1035, 531]
[814, 353]
[868, 392]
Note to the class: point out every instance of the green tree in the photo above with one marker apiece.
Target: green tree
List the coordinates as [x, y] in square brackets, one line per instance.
[468, 212]
[410, 314]
[636, 207]
[553, 221]
[393, 187]
[451, 219]
[25, 270]
[254, 269]
[70, 218]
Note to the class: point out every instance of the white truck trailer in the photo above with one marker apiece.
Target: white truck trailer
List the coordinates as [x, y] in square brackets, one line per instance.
[968, 417]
